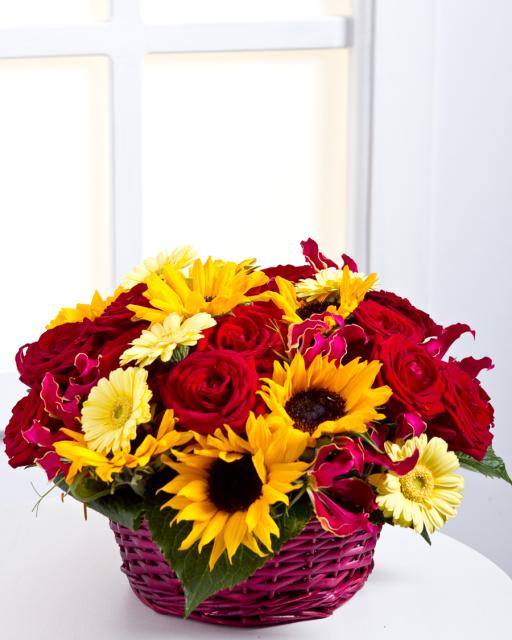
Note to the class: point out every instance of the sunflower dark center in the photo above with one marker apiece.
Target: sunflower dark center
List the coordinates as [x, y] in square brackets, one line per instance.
[234, 486]
[309, 408]
[307, 309]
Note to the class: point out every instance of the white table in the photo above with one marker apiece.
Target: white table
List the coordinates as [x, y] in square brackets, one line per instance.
[60, 580]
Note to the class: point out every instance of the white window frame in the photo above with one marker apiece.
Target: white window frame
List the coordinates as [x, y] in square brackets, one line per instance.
[125, 39]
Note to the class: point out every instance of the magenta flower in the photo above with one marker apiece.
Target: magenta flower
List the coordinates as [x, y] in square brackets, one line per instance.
[63, 405]
[318, 261]
[323, 334]
[342, 504]
[342, 499]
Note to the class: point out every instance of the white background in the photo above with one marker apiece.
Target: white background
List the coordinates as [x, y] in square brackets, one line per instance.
[442, 200]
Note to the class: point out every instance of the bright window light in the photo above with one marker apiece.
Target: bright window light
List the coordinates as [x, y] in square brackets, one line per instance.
[55, 195]
[244, 153]
[52, 13]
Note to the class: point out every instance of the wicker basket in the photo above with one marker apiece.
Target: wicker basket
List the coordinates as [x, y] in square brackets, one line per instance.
[312, 575]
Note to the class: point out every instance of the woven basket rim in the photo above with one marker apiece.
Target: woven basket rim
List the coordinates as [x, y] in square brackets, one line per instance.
[313, 574]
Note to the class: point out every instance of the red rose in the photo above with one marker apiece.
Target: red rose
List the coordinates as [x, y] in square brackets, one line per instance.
[117, 317]
[55, 352]
[424, 324]
[289, 272]
[250, 331]
[469, 415]
[377, 319]
[19, 451]
[414, 375]
[114, 347]
[209, 389]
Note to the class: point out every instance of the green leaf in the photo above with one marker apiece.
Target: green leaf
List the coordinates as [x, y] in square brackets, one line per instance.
[191, 567]
[491, 466]
[180, 352]
[124, 507]
[425, 536]
[293, 520]
[83, 488]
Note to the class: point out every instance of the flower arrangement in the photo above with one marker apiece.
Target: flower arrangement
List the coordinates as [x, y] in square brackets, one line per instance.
[224, 408]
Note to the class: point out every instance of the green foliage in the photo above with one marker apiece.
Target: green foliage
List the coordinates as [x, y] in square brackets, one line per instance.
[425, 536]
[191, 567]
[179, 353]
[491, 466]
[124, 507]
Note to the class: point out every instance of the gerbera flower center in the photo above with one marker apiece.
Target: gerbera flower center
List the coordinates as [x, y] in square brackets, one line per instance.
[418, 484]
[234, 486]
[311, 407]
[309, 308]
[120, 412]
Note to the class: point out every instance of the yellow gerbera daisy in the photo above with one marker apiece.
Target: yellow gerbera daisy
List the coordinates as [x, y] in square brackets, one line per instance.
[336, 290]
[161, 340]
[429, 494]
[214, 287]
[79, 455]
[96, 307]
[179, 259]
[325, 398]
[227, 485]
[114, 408]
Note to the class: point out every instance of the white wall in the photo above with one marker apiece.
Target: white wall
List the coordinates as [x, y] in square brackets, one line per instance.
[471, 233]
[442, 200]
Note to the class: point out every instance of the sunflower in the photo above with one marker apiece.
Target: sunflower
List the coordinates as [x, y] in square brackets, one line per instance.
[179, 259]
[227, 485]
[114, 408]
[161, 340]
[325, 398]
[92, 310]
[214, 287]
[429, 494]
[338, 291]
[79, 455]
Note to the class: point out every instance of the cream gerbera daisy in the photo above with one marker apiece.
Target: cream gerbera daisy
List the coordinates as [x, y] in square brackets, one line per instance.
[227, 486]
[325, 398]
[179, 259]
[161, 340]
[342, 287]
[337, 291]
[429, 494]
[114, 408]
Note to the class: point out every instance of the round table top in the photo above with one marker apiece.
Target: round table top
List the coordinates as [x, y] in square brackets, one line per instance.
[60, 579]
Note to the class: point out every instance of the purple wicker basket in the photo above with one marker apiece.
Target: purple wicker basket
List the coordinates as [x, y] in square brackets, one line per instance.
[312, 575]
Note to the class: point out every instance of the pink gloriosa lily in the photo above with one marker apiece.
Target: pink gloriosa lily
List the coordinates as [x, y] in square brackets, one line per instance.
[343, 502]
[323, 334]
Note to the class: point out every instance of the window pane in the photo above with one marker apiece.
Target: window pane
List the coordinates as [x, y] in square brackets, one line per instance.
[55, 195]
[169, 11]
[245, 153]
[52, 13]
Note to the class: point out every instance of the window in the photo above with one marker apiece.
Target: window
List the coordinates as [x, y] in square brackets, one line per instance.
[130, 122]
